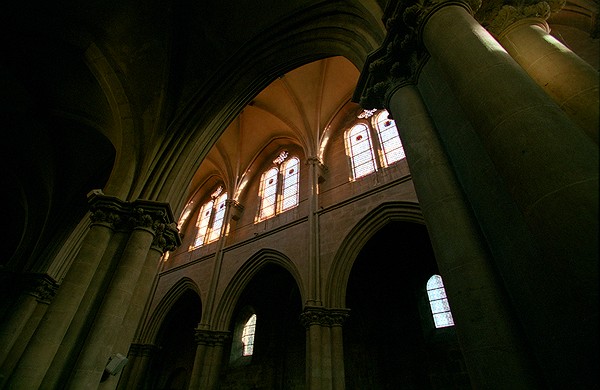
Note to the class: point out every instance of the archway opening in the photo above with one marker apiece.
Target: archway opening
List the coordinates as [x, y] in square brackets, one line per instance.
[390, 339]
[271, 301]
[176, 346]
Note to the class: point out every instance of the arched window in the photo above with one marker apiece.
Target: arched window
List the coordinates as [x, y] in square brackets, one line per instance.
[360, 150]
[373, 143]
[279, 187]
[438, 302]
[248, 336]
[268, 193]
[391, 146]
[291, 181]
[209, 224]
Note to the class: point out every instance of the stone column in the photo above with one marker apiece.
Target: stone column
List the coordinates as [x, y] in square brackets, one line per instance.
[136, 371]
[147, 218]
[551, 171]
[314, 263]
[209, 356]
[492, 347]
[570, 81]
[166, 238]
[324, 349]
[38, 291]
[40, 351]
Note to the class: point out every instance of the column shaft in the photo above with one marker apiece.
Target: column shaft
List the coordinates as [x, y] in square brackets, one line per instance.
[337, 358]
[100, 342]
[492, 348]
[570, 81]
[551, 171]
[40, 351]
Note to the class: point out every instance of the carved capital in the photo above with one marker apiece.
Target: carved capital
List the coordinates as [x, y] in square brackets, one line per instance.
[211, 337]
[402, 55]
[316, 315]
[40, 286]
[498, 18]
[142, 349]
[235, 207]
[155, 217]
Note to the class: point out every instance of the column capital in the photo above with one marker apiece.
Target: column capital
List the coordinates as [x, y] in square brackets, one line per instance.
[499, 19]
[40, 286]
[401, 56]
[156, 217]
[318, 315]
[142, 349]
[236, 208]
[211, 337]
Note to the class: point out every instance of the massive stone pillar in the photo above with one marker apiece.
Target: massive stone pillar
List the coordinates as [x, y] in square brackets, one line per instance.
[78, 332]
[28, 310]
[324, 347]
[149, 220]
[491, 344]
[137, 369]
[547, 166]
[570, 81]
[40, 351]
[208, 360]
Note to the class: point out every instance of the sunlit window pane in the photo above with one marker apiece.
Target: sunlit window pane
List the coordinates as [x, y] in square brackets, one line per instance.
[202, 223]
[440, 308]
[248, 336]
[290, 184]
[268, 194]
[215, 231]
[390, 140]
[361, 151]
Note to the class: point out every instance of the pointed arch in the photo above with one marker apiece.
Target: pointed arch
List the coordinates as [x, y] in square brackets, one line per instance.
[337, 280]
[231, 295]
[152, 327]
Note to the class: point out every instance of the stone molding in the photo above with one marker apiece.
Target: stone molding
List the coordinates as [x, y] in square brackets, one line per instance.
[318, 315]
[156, 217]
[211, 337]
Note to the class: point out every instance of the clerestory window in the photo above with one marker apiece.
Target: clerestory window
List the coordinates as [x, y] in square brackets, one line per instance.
[279, 187]
[438, 302]
[373, 143]
[209, 225]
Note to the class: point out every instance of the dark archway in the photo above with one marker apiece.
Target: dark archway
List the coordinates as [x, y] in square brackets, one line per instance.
[278, 358]
[390, 341]
[176, 346]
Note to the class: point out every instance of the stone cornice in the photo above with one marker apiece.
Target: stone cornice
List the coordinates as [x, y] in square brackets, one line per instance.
[401, 55]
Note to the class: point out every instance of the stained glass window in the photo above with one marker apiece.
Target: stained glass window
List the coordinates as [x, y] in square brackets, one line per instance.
[219, 214]
[209, 225]
[248, 336]
[438, 302]
[268, 193]
[389, 139]
[360, 151]
[291, 182]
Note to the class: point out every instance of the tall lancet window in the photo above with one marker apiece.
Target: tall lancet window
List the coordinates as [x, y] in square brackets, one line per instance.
[209, 224]
[360, 150]
[279, 187]
[248, 336]
[391, 146]
[438, 302]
